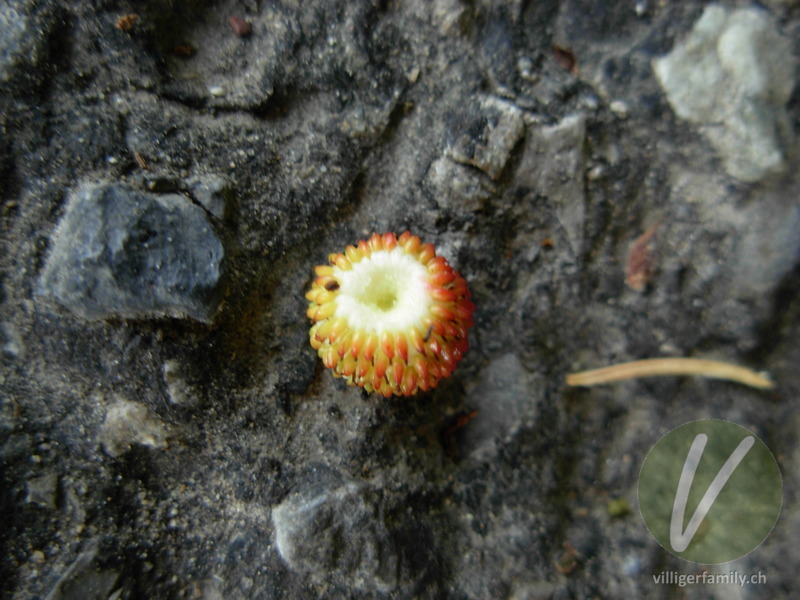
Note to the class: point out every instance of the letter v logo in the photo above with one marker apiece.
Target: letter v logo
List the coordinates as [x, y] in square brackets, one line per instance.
[680, 540]
[710, 491]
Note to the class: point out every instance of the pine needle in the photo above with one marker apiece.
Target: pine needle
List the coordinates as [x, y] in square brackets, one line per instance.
[671, 366]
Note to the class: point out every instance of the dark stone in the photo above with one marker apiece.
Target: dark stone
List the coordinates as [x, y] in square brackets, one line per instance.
[336, 525]
[121, 252]
[43, 490]
[85, 579]
[212, 192]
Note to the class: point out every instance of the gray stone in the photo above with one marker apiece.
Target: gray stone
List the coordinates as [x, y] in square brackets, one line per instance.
[128, 423]
[20, 39]
[768, 247]
[13, 344]
[488, 135]
[367, 121]
[14, 35]
[553, 165]
[179, 390]
[337, 527]
[213, 192]
[765, 246]
[238, 72]
[84, 579]
[121, 252]
[43, 490]
[458, 187]
[733, 76]
[505, 401]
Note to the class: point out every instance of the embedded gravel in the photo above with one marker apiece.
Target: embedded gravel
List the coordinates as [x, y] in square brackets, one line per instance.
[166, 431]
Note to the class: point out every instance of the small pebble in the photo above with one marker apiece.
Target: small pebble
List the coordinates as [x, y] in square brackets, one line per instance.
[620, 109]
[184, 50]
[126, 22]
[240, 27]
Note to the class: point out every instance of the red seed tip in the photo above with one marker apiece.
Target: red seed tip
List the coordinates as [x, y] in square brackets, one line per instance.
[240, 27]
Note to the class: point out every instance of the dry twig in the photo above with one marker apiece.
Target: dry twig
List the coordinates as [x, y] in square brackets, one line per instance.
[713, 369]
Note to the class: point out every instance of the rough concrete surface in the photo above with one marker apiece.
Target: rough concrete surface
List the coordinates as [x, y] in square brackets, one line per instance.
[168, 181]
